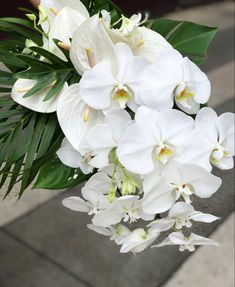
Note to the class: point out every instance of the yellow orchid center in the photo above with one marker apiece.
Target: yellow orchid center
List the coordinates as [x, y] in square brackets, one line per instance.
[218, 154]
[122, 94]
[163, 152]
[185, 95]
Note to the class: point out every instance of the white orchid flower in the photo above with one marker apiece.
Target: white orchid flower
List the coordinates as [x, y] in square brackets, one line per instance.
[138, 240]
[153, 138]
[72, 158]
[116, 233]
[94, 193]
[126, 208]
[35, 102]
[213, 140]
[186, 243]
[75, 116]
[180, 215]
[107, 86]
[91, 45]
[178, 180]
[63, 18]
[175, 78]
[101, 139]
[143, 42]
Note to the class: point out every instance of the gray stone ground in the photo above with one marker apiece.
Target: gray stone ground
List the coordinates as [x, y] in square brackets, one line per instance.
[51, 246]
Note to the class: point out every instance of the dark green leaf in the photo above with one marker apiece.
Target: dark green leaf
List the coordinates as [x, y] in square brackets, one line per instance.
[190, 39]
[55, 175]
[42, 83]
[6, 78]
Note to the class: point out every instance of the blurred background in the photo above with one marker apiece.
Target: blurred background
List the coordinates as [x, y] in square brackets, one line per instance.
[42, 244]
[156, 7]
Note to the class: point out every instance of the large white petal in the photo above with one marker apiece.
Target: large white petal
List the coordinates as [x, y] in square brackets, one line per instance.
[146, 115]
[68, 155]
[118, 120]
[180, 209]
[204, 183]
[177, 238]
[175, 126]
[100, 181]
[71, 111]
[196, 78]
[226, 129]
[101, 159]
[75, 203]
[160, 199]
[148, 44]
[197, 150]
[172, 171]
[200, 240]
[96, 86]
[34, 102]
[203, 217]
[136, 147]
[206, 120]
[108, 217]
[160, 80]
[162, 224]
[98, 138]
[92, 36]
[156, 90]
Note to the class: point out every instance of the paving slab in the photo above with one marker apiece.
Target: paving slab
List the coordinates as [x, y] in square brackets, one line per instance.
[21, 267]
[202, 269]
[222, 84]
[62, 235]
[12, 208]
[220, 14]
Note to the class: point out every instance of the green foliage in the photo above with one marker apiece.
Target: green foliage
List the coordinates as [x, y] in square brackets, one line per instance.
[190, 39]
[54, 175]
[55, 72]
[95, 6]
[27, 140]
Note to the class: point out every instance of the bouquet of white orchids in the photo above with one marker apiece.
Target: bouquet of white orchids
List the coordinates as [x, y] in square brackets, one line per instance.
[89, 94]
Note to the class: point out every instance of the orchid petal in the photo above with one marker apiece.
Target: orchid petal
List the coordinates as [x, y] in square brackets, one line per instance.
[75, 203]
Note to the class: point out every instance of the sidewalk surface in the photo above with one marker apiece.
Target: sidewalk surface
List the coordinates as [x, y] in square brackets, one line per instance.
[43, 244]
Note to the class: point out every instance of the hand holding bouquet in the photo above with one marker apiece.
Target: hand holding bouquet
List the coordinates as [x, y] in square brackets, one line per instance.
[119, 101]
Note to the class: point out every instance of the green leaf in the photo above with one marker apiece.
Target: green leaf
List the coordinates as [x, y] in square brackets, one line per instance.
[190, 39]
[55, 175]
[19, 27]
[27, 141]
[6, 78]
[6, 101]
[5, 90]
[42, 83]
[95, 6]
[56, 73]
[15, 174]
